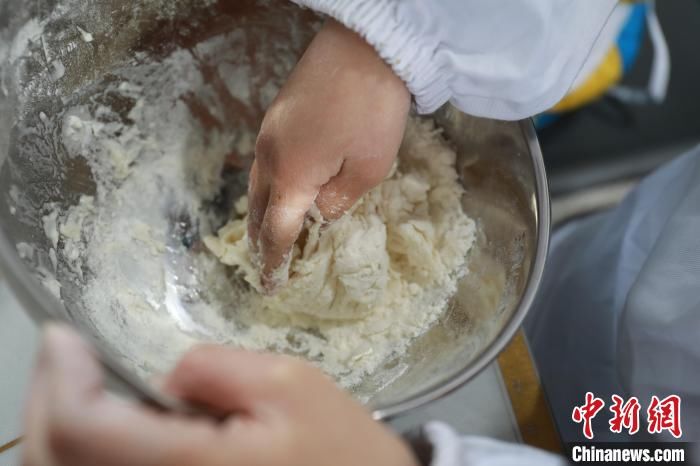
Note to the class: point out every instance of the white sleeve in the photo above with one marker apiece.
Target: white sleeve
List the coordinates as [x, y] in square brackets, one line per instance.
[618, 310]
[450, 449]
[505, 59]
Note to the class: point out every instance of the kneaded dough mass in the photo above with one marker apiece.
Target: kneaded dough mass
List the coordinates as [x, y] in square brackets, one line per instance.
[407, 237]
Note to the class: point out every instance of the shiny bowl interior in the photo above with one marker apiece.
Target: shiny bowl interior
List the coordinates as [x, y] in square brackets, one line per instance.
[42, 74]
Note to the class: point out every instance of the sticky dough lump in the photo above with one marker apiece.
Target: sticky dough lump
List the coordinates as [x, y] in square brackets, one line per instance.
[406, 236]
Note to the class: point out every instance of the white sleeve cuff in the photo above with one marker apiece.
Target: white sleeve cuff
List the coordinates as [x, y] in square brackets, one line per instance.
[449, 449]
[504, 60]
[396, 42]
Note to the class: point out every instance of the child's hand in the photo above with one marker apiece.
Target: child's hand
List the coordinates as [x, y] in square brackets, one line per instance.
[286, 414]
[331, 135]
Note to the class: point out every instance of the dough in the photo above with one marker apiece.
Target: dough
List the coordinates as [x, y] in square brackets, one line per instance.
[361, 292]
[406, 236]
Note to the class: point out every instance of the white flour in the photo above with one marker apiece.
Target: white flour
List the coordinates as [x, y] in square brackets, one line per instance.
[131, 249]
[375, 279]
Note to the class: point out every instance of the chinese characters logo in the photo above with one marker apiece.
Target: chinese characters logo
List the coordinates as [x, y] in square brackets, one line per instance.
[662, 415]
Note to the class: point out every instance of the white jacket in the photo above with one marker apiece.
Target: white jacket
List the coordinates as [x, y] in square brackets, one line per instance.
[504, 59]
[618, 310]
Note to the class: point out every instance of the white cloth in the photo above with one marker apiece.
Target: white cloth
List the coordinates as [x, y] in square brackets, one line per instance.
[504, 59]
[619, 308]
[449, 449]
[618, 313]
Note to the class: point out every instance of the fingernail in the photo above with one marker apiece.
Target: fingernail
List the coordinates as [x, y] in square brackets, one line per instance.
[59, 336]
[50, 345]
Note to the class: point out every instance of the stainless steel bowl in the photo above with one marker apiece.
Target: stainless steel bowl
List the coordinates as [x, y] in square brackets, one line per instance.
[54, 54]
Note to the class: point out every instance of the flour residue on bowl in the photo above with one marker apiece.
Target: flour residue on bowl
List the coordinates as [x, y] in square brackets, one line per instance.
[129, 252]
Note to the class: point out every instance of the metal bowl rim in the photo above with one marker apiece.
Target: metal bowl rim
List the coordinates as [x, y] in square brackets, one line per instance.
[491, 352]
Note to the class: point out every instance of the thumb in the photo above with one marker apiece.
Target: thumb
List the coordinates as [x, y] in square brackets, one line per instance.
[63, 375]
[72, 371]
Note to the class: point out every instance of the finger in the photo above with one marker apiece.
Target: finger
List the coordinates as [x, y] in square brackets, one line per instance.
[35, 413]
[83, 425]
[231, 380]
[284, 219]
[258, 198]
[356, 178]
